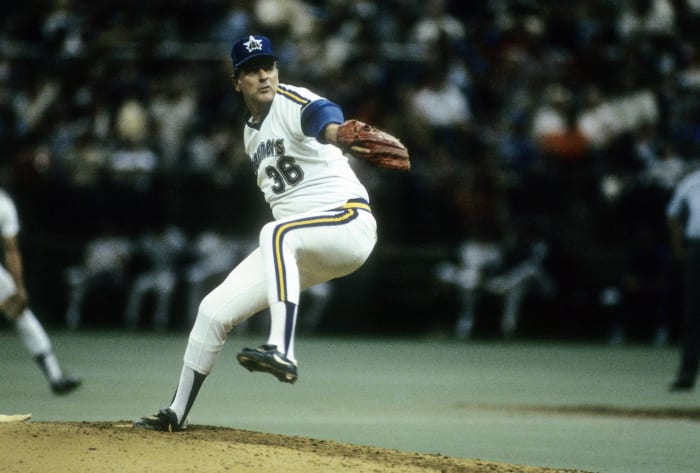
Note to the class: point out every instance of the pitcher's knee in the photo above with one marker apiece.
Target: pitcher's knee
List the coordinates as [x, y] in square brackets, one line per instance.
[210, 318]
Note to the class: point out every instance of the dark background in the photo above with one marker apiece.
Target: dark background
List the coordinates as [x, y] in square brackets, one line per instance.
[488, 177]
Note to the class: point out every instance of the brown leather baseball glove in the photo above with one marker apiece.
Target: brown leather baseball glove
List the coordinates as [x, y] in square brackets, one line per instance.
[366, 142]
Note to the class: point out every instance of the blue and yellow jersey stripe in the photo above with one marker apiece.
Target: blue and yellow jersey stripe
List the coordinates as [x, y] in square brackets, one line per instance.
[293, 96]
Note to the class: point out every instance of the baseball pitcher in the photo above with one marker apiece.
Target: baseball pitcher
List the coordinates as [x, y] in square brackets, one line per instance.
[323, 226]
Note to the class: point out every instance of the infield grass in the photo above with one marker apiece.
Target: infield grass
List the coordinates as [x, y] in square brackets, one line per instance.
[578, 406]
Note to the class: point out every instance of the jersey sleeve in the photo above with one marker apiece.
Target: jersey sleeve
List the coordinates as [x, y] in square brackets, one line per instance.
[317, 114]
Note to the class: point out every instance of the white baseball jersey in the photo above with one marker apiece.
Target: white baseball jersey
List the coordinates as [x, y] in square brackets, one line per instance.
[9, 227]
[296, 173]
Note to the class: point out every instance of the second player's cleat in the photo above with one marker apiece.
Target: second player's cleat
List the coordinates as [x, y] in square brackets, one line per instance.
[165, 420]
[268, 359]
[683, 383]
[65, 385]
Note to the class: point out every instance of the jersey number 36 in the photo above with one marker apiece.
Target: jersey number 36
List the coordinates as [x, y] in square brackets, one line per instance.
[286, 173]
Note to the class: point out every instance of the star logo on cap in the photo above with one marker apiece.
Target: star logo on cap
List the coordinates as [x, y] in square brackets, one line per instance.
[253, 44]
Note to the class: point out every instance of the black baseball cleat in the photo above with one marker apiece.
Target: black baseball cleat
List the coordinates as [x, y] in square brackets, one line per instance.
[66, 385]
[268, 359]
[682, 384]
[165, 420]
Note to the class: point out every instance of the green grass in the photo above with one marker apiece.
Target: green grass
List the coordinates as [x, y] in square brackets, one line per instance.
[490, 400]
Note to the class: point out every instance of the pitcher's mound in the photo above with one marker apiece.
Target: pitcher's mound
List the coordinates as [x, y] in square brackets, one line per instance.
[100, 447]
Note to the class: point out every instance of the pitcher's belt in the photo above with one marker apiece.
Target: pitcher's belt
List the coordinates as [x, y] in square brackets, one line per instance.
[356, 204]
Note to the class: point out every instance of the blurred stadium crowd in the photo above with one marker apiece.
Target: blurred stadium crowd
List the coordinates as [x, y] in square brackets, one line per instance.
[547, 126]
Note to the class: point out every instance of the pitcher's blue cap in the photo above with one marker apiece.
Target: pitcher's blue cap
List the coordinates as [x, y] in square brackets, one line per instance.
[251, 47]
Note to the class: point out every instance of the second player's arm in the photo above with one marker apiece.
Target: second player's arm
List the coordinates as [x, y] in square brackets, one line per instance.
[16, 303]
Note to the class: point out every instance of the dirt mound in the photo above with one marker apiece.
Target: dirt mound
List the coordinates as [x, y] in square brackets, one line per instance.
[116, 446]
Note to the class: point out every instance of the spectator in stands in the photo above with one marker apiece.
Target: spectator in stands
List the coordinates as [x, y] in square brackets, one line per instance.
[106, 261]
[162, 254]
